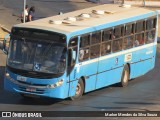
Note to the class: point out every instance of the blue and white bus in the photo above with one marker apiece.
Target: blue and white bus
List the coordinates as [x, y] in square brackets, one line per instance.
[74, 53]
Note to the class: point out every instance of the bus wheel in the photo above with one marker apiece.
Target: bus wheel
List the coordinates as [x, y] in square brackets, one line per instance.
[79, 90]
[125, 76]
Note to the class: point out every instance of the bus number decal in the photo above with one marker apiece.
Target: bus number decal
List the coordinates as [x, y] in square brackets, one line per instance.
[128, 57]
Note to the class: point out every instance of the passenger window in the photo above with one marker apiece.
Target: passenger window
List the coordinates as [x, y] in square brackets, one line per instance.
[128, 42]
[150, 36]
[118, 32]
[107, 35]
[129, 29]
[85, 41]
[140, 26]
[96, 38]
[73, 45]
[106, 48]
[94, 51]
[73, 42]
[155, 22]
[139, 39]
[84, 54]
[150, 24]
[117, 45]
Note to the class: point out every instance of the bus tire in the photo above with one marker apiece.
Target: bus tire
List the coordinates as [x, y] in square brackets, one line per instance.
[125, 76]
[79, 90]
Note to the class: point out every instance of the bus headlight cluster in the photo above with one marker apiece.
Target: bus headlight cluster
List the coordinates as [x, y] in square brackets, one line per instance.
[59, 83]
[7, 75]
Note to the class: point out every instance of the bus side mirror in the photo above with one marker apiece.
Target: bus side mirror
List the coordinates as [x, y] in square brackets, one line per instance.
[5, 48]
[4, 45]
[1, 45]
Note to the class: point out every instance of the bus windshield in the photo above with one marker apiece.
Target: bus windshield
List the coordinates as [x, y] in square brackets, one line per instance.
[40, 55]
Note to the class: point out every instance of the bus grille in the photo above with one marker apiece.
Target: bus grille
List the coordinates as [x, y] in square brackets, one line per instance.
[37, 91]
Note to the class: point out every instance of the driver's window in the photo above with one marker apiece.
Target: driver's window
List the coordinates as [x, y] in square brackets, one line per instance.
[73, 45]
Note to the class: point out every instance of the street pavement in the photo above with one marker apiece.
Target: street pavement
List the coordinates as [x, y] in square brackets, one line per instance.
[10, 10]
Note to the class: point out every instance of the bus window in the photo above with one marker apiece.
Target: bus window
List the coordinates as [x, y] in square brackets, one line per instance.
[128, 42]
[94, 51]
[150, 36]
[129, 29]
[73, 42]
[118, 32]
[85, 41]
[150, 24]
[107, 35]
[140, 26]
[106, 48]
[73, 45]
[84, 54]
[117, 45]
[84, 45]
[155, 22]
[96, 37]
[139, 39]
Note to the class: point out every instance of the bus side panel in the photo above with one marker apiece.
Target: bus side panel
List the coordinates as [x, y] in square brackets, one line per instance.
[90, 83]
[110, 70]
[145, 61]
[140, 68]
[72, 89]
[89, 71]
[108, 78]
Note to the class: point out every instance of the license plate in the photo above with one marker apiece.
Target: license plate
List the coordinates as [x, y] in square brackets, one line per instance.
[21, 78]
[30, 89]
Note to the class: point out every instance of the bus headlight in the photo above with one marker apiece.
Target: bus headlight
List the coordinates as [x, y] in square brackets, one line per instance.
[7, 74]
[59, 83]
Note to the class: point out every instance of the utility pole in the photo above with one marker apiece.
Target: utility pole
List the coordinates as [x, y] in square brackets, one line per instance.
[24, 6]
[144, 2]
[122, 2]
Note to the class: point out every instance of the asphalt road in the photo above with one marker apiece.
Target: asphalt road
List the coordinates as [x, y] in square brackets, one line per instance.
[10, 10]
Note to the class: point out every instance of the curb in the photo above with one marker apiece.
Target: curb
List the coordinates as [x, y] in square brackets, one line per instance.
[5, 29]
[147, 3]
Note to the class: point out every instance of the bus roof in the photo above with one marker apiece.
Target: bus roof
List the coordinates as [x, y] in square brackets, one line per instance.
[111, 13]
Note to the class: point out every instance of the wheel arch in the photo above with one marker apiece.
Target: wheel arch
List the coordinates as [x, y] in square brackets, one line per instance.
[84, 83]
[128, 64]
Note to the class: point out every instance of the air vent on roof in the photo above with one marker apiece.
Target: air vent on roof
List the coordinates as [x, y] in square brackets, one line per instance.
[99, 12]
[85, 15]
[55, 22]
[72, 19]
[110, 12]
[125, 6]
